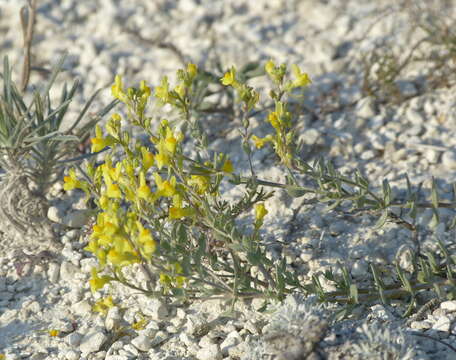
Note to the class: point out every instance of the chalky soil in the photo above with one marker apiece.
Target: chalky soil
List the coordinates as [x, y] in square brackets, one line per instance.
[328, 40]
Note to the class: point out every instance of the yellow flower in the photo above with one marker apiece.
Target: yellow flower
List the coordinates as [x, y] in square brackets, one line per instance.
[165, 279]
[269, 67]
[144, 234]
[260, 142]
[274, 120]
[149, 248]
[103, 201]
[162, 159]
[147, 158]
[117, 90]
[71, 182]
[143, 191]
[170, 141]
[180, 280]
[165, 188]
[101, 256]
[145, 90]
[121, 259]
[260, 212]
[102, 306]
[99, 142]
[97, 282]
[175, 279]
[302, 79]
[192, 70]
[180, 90]
[162, 92]
[109, 228]
[176, 212]
[122, 244]
[200, 182]
[228, 166]
[130, 194]
[229, 78]
[113, 191]
[146, 240]
[114, 172]
[54, 333]
[129, 168]
[92, 246]
[139, 325]
[113, 125]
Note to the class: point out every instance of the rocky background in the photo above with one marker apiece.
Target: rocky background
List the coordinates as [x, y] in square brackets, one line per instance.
[383, 100]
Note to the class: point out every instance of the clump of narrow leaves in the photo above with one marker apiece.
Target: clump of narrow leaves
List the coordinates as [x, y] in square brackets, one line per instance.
[34, 147]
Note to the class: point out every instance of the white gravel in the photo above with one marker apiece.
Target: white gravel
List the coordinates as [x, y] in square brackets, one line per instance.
[327, 39]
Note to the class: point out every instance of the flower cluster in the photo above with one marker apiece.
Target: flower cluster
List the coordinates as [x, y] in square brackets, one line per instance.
[247, 94]
[148, 188]
[179, 97]
[161, 212]
[280, 118]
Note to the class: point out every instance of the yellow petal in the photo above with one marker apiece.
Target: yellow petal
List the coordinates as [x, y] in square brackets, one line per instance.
[260, 211]
[162, 160]
[228, 166]
[147, 158]
[113, 191]
[229, 78]
[269, 67]
[54, 333]
[192, 70]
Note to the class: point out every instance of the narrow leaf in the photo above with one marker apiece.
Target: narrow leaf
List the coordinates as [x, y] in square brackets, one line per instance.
[382, 220]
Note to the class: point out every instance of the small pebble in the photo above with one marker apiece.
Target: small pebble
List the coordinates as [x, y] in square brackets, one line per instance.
[81, 308]
[92, 342]
[56, 214]
[230, 341]
[113, 318]
[449, 306]
[414, 116]
[72, 355]
[443, 324]
[53, 272]
[449, 159]
[76, 218]
[117, 357]
[364, 108]
[210, 352]
[142, 343]
[73, 339]
[154, 308]
[360, 268]
[432, 156]
[420, 325]
[68, 271]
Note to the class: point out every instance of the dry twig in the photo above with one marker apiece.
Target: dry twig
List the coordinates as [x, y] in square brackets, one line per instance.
[28, 17]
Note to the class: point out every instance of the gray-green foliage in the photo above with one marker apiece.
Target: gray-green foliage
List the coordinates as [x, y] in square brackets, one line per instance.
[33, 145]
[298, 326]
[295, 312]
[381, 343]
[294, 331]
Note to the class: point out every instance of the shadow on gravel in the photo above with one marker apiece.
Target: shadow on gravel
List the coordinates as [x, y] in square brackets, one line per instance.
[21, 302]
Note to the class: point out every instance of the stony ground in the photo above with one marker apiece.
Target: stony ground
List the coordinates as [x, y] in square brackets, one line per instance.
[351, 114]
